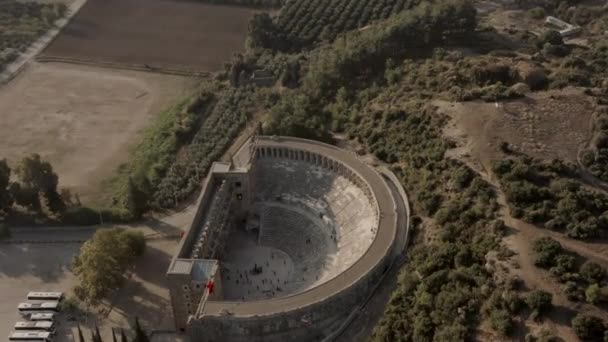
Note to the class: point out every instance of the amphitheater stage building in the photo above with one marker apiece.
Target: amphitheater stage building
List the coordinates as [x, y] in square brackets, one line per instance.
[288, 240]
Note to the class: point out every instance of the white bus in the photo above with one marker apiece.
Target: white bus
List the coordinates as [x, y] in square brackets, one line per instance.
[42, 316]
[25, 308]
[44, 336]
[33, 326]
[48, 296]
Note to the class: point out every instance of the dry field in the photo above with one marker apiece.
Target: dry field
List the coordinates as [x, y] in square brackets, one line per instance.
[180, 35]
[547, 125]
[81, 119]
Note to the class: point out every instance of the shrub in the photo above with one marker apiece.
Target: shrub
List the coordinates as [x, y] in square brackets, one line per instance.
[551, 37]
[546, 251]
[501, 321]
[573, 292]
[588, 328]
[592, 294]
[592, 272]
[539, 302]
[537, 13]
[5, 232]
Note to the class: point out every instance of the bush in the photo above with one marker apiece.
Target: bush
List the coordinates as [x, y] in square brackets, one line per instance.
[592, 272]
[551, 37]
[537, 13]
[540, 302]
[588, 328]
[5, 232]
[136, 242]
[593, 294]
[85, 216]
[501, 321]
[546, 252]
[573, 292]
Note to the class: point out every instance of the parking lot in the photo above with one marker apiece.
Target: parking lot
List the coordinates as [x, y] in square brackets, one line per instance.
[31, 267]
[45, 266]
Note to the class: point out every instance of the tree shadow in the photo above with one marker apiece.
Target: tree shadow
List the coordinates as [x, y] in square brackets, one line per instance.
[152, 266]
[137, 301]
[161, 227]
[45, 261]
[561, 315]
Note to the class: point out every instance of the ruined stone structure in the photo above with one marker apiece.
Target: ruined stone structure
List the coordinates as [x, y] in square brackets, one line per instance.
[287, 241]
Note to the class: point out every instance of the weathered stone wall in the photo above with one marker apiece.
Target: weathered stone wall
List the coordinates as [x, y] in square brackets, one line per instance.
[310, 323]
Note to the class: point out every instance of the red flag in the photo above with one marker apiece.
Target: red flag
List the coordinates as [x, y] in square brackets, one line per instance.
[210, 286]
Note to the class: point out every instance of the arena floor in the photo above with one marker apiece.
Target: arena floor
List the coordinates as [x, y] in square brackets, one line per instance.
[240, 281]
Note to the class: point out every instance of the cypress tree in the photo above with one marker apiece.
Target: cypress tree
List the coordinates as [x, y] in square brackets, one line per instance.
[80, 336]
[140, 334]
[123, 337]
[97, 335]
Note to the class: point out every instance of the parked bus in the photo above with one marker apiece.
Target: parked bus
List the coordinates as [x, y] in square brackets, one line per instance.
[42, 316]
[33, 326]
[47, 296]
[44, 336]
[25, 308]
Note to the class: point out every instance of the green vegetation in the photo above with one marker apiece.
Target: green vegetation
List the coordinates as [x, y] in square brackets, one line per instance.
[539, 302]
[5, 232]
[548, 194]
[374, 85]
[302, 23]
[21, 23]
[176, 152]
[103, 260]
[152, 157]
[588, 328]
[220, 126]
[583, 279]
[345, 89]
[35, 188]
[247, 3]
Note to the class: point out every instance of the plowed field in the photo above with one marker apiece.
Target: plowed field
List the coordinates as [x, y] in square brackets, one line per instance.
[163, 34]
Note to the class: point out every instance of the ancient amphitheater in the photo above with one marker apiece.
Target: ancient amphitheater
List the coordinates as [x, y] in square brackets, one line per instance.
[289, 239]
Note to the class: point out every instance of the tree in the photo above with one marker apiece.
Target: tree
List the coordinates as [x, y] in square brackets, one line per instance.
[546, 250]
[103, 260]
[6, 199]
[540, 302]
[97, 335]
[501, 321]
[5, 232]
[123, 337]
[36, 176]
[593, 293]
[140, 334]
[80, 335]
[550, 37]
[588, 328]
[592, 272]
[136, 200]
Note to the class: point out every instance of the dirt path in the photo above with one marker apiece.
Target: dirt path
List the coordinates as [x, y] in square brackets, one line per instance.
[477, 148]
